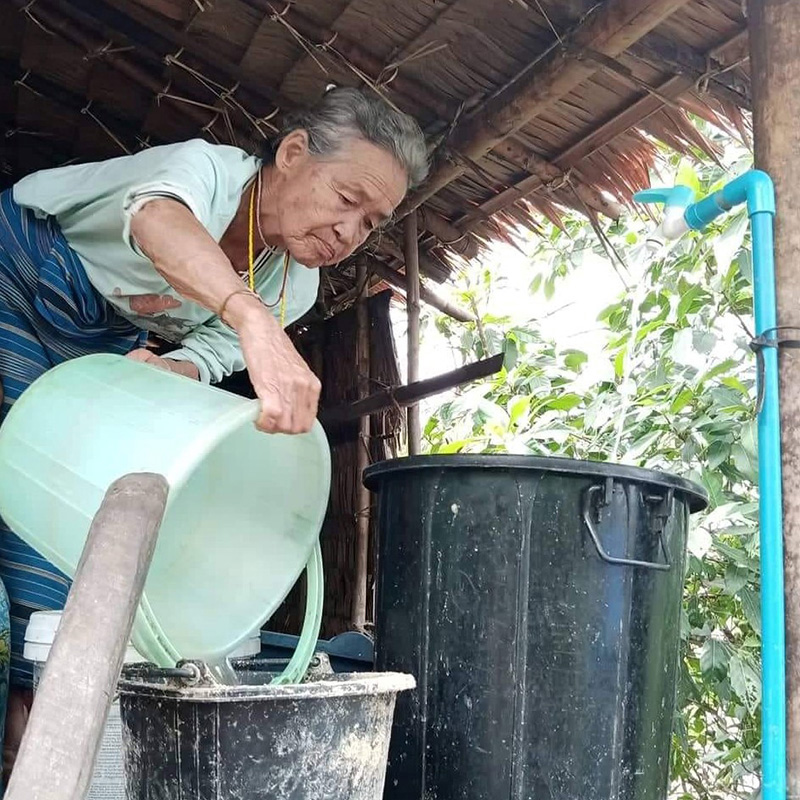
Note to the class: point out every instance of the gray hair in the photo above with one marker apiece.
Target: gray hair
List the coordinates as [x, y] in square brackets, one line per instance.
[344, 114]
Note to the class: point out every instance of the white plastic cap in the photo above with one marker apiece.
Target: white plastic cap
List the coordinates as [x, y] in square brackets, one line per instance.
[41, 633]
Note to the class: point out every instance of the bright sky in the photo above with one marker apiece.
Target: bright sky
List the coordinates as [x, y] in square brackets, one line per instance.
[569, 317]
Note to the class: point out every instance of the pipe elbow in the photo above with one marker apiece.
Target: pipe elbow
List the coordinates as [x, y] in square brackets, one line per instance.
[760, 192]
[755, 188]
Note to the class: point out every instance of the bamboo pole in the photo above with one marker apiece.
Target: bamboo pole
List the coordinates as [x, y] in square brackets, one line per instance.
[426, 295]
[412, 307]
[359, 609]
[405, 396]
[775, 66]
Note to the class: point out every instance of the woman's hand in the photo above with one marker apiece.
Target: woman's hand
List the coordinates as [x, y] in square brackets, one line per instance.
[285, 385]
[169, 364]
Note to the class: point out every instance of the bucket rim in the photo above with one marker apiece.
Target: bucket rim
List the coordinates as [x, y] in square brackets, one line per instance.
[353, 684]
[375, 474]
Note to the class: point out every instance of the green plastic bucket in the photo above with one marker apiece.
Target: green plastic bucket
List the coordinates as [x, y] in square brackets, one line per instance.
[244, 513]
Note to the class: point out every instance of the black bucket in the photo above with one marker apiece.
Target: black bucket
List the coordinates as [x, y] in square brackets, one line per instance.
[537, 602]
[324, 740]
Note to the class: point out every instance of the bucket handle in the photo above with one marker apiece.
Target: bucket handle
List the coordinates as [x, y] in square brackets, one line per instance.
[588, 508]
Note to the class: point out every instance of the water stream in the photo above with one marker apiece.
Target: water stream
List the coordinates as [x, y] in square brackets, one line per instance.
[222, 672]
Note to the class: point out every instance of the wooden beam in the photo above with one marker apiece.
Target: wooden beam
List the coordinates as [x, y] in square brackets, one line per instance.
[63, 735]
[610, 30]
[549, 173]
[775, 66]
[359, 608]
[673, 56]
[69, 30]
[411, 242]
[632, 115]
[150, 32]
[447, 233]
[153, 38]
[55, 93]
[403, 396]
[426, 295]
[647, 105]
[388, 247]
[332, 41]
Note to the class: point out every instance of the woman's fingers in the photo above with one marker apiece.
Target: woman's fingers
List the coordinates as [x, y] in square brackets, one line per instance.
[289, 406]
[141, 355]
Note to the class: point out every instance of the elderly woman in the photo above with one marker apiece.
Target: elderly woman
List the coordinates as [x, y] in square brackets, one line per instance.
[207, 247]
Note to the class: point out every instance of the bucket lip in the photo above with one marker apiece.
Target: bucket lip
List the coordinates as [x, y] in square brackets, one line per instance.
[341, 685]
[376, 473]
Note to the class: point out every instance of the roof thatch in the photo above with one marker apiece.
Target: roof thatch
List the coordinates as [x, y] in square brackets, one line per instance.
[529, 105]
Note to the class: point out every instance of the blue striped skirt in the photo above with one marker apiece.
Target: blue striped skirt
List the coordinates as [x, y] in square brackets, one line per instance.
[49, 312]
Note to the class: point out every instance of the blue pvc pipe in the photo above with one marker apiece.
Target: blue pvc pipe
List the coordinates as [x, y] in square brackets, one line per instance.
[773, 646]
[756, 189]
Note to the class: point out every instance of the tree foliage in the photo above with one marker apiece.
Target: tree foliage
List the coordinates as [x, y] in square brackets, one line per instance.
[677, 393]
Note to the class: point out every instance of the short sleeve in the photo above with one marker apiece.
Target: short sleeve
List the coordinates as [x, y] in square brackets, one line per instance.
[191, 174]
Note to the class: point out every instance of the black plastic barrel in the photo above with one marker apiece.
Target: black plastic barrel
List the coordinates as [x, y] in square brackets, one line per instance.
[325, 740]
[537, 602]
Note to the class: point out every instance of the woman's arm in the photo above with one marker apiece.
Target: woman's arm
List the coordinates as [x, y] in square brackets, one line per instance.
[189, 259]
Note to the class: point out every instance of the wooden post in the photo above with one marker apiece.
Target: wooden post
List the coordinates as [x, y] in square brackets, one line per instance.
[775, 67]
[359, 609]
[426, 295]
[412, 306]
[58, 750]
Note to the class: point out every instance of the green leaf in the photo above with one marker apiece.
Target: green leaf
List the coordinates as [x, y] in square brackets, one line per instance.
[745, 462]
[736, 578]
[536, 284]
[734, 383]
[453, 447]
[642, 445]
[575, 359]
[510, 353]
[713, 485]
[687, 176]
[727, 244]
[749, 439]
[718, 452]
[685, 396]
[714, 658]
[735, 554]
[691, 301]
[565, 402]
[703, 341]
[517, 407]
[619, 363]
[550, 287]
[751, 605]
[745, 681]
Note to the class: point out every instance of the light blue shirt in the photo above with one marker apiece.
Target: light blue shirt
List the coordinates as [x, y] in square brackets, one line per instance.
[94, 203]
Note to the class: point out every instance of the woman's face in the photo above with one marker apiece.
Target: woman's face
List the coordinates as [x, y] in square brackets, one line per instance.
[326, 207]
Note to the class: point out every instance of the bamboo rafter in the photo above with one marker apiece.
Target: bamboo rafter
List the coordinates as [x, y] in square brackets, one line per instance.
[652, 102]
[610, 30]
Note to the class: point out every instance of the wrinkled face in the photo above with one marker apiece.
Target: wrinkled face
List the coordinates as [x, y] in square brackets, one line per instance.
[327, 206]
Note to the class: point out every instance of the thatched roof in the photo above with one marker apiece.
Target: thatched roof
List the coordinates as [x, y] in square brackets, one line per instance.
[529, 105]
